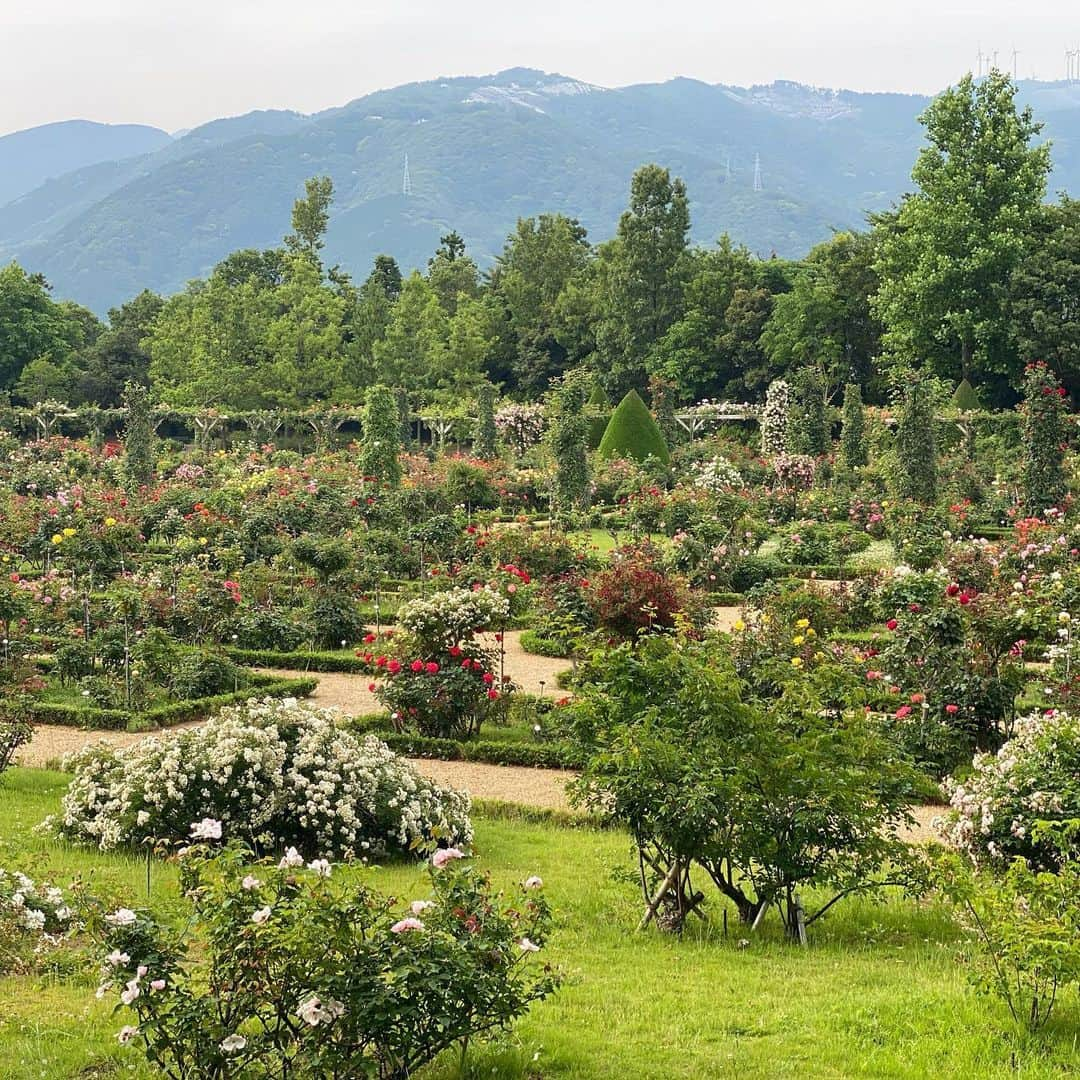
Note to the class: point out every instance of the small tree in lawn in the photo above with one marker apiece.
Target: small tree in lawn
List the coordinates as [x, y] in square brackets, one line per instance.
[138, 436]
[568, 439]
[916, 443]
[1045, 483]
[765, 796]
[485, 433]
[853, 435]
[381, 440]
[776, 419]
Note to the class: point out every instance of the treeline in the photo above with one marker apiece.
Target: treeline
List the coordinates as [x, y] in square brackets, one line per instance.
[971, 275]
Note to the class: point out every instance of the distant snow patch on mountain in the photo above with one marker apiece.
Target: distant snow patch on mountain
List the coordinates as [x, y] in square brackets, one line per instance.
[529, 97]
[795, 99]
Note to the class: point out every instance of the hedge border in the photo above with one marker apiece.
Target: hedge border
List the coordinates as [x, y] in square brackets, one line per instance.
[91, 719]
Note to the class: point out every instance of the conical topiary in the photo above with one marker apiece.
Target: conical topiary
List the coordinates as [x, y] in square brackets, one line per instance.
[632, 432]
[598, 410]
[965, 398]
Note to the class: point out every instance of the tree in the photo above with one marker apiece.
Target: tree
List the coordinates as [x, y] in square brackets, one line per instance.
[946, 255]
[916, 442]
[310, 217]
[452, 274]
[1044, 294]
[380, 444]
[541, 257]
[121, 353]
[825, 321]
[642, 275]
[809, 424]
[33, 325]
[853, 434]
[1045, 439]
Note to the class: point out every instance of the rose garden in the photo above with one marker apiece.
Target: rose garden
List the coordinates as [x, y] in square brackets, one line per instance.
[808, 711]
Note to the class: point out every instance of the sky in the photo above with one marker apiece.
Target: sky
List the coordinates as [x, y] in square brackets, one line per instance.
[178, 63]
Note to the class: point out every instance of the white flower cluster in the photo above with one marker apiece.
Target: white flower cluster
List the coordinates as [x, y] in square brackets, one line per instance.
[716, 476]
[39, 910]
[1034, 777]
[453, 616]
[271, 767]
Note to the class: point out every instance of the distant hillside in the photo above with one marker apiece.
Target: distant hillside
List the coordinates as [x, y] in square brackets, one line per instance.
[483, 152]
[29, 158]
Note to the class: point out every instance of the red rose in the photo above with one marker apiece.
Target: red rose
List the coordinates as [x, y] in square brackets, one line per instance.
[488, 678]
[952, 589]
[892, 624]
[394, 667]
[431, 667]
[952, 710]
[903, 711]
[493, 695]
[417, 665]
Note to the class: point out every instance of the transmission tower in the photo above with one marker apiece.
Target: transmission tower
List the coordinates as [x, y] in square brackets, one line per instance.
[406, 180]
[757, 172]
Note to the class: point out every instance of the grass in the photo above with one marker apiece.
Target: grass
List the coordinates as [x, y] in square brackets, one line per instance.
[604, 541]
[878, 994]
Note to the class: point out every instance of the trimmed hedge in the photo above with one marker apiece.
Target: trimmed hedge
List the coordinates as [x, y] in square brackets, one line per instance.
[300, 661]
[90, 719]
[532, 641]
[633, 433]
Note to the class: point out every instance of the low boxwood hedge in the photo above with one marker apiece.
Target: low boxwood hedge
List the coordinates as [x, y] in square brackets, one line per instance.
[301, 661]
[532, 641]
[93, 719]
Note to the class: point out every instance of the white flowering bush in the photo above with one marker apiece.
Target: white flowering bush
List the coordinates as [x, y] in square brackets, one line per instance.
[1034, 777]
[32, 916]
[717, 476]
[325, 976]
[776, 419]
[272, 771]
[450, 617]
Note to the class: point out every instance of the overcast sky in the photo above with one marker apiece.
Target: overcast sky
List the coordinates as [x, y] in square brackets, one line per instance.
[177, 63]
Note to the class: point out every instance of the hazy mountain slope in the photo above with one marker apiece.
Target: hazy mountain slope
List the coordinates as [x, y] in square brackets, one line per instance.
[29, 158]
[482, 152]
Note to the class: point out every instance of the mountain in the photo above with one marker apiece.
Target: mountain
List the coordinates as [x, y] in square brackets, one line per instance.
[29, 158]
[482, 152]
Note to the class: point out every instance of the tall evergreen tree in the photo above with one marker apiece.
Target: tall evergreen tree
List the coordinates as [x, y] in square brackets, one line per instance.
[853, 434]
[916, 443]
[380, 442]
[138, 436]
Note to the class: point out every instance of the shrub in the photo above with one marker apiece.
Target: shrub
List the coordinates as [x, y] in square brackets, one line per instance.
[964, 398]
[633, 433]
[634, 594]
[807, 543]
[274, 771]
[1024, 924]
[325, 978]
[31, 914]
[765, 797]
[598, 412]
[1035, 776]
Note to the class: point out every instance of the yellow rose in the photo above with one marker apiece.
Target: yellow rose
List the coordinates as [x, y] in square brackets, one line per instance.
[819, 656]
[738, 625]
[798, 639]
[69, 532]
[202, 540]
[796, 661]
[811, 632]
[802, 623]
[57, 538]
[110, 522]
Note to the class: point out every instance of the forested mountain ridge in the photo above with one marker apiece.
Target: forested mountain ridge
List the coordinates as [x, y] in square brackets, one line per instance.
[483, 152]
[31, 157]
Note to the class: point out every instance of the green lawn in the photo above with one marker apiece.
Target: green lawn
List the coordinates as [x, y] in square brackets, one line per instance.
[604, 541]
[878, 994]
